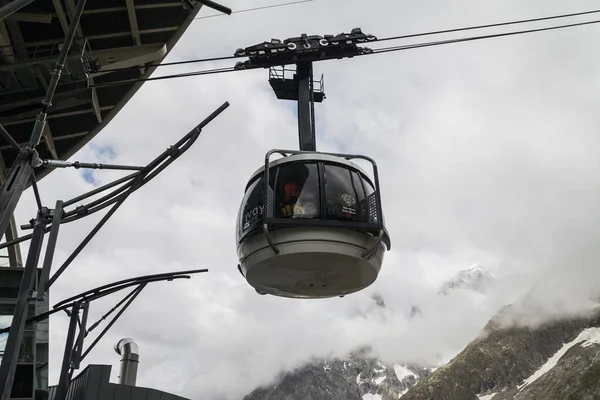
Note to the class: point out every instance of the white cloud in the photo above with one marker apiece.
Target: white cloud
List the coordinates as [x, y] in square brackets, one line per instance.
[487, 154]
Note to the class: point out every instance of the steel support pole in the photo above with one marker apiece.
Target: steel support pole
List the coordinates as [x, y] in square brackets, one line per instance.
[80, 339]
[13, 186]
[15, 334]
[306, 131]
[52, 239]
[63, 380]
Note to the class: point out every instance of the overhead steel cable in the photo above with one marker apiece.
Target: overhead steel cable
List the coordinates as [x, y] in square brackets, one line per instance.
[189, 61]
[473, 38]
[257, 8]
[199, 60]
[157, 78]
[494, 25]
[407, 36]
[375, 51]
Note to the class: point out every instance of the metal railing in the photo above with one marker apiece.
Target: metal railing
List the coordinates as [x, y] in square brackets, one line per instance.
[282, 73]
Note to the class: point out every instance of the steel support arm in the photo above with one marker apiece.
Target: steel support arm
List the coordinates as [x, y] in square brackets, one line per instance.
[13, 7]
[215, 6]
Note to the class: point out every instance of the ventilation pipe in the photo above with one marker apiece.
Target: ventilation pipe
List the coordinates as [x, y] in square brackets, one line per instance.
[128, 350]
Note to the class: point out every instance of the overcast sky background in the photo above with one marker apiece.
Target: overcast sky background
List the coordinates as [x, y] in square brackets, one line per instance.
[488, 153]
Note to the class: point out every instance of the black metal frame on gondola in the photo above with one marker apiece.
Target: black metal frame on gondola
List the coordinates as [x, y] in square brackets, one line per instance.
[268, 221]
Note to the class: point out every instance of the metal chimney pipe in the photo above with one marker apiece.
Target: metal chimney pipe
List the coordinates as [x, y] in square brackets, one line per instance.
[130, 356]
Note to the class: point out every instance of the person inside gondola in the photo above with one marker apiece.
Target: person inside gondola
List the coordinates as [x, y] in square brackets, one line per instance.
[289, 205]
[298, 191]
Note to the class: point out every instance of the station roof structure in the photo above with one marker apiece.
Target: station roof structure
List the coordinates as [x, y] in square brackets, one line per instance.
[115, 40]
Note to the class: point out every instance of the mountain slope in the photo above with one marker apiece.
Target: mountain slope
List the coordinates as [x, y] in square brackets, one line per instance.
[360, 377]
[573, 372]
[499, 362]
[357, 378]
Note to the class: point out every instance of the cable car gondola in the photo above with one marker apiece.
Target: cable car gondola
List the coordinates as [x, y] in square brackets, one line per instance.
[310, 224]
[316, 230]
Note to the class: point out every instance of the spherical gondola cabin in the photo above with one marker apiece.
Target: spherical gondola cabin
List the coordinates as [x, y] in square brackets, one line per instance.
[315, 231]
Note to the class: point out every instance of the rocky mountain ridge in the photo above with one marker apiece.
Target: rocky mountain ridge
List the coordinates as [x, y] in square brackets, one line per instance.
[355, 378]
[476, 278]
[360, 377]
[556, 360]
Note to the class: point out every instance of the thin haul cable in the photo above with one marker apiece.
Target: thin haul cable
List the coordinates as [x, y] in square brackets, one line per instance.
[257, 8]
[375, 51]
[157, 78]
[522, 21]
[473, 38]
[212, 59]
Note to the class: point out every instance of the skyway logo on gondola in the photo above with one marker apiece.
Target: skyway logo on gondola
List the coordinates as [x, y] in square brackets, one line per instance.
[350, 202]
[348, 199]
[252, 216]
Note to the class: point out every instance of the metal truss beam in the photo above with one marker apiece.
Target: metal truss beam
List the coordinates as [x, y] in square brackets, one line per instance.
[7, 122]
[133, 23]
[106, 35]
[28, 17]
[175, 4]
[12, 7]
[56, 139]
[50, 141]
[96, 106]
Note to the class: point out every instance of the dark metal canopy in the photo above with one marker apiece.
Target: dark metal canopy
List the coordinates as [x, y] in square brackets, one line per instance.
[114, 41]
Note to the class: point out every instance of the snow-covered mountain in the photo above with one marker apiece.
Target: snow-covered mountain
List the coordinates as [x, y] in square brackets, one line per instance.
[473, 282]
[476, 279]
[557, 360]
[357, 378]
[360, 377]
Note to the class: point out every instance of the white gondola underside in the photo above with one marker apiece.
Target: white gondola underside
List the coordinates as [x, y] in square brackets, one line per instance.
[312, 262]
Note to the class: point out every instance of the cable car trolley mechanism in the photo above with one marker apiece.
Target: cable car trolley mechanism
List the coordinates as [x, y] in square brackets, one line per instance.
[310, 224]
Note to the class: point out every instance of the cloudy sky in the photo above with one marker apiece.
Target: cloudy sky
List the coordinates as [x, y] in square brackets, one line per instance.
[489, 153]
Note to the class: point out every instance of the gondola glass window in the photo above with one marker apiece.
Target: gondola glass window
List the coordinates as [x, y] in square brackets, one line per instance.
[296, 195]
[297, 191]
[346, 194]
